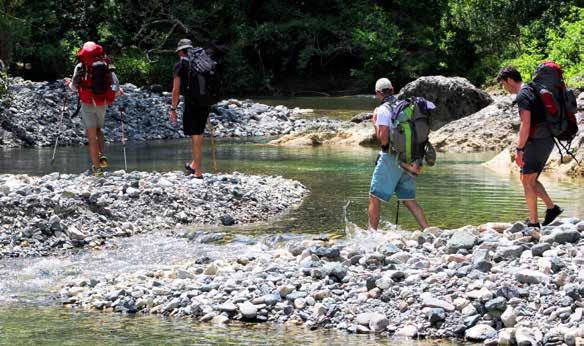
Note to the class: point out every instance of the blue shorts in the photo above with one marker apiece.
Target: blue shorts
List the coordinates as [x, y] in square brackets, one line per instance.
[389, 178]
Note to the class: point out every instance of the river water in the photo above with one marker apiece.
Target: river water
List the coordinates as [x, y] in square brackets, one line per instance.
[458, 191]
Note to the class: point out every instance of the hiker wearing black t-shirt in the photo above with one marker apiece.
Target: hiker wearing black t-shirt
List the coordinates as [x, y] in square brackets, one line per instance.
[193, 76]
[534, 145]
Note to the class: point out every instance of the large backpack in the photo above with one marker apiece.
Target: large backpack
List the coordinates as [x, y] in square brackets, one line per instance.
[559, 104]
[408, 136]
[95, 85]
[201, 78]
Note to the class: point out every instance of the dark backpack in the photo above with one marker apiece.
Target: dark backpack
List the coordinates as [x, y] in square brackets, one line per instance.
[409, 139]
[201, 78]
[558, 102]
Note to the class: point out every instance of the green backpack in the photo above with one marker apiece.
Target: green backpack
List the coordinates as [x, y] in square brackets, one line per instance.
[409, 131]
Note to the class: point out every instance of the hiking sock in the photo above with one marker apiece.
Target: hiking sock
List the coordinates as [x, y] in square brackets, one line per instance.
[552, 214]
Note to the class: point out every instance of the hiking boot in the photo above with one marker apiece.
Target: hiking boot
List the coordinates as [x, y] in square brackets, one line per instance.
[103, 162]
[552, 214]
[189, 170]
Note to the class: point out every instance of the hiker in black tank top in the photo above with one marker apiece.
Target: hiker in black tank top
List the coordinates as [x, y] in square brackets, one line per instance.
[534, 146]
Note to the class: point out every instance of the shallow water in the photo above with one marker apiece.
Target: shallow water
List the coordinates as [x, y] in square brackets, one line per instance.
[339, 107]
[458, 191]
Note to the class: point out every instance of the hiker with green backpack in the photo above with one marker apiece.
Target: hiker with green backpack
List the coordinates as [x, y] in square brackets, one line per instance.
[547, 111]
[402, 128]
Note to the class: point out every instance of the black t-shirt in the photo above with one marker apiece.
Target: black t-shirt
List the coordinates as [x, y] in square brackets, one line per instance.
[527, 100]
[181, 69]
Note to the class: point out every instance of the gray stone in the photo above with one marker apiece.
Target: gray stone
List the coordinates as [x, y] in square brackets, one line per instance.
[527, 276]
[480, 332]
[538, 249]
[509, 318]
[408, 331]
[429, 301]
[378, 323]
[460, 240]
[511, 251]
[435, 315]
[454, 97]
[228, 307]
[564, 235]
[527, 337]
[496, 304]
[335, 269]
[248, 310]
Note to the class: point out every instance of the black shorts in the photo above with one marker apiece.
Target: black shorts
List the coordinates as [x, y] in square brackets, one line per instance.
[536, 154]
[194, 119]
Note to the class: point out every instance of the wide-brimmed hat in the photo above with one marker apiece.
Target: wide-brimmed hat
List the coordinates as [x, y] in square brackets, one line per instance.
[184, 44]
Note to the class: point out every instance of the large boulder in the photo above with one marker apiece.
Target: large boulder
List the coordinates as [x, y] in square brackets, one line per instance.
[455, 97]
[493, 128]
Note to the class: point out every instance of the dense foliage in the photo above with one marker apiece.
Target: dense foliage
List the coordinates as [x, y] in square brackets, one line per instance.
[278, 46]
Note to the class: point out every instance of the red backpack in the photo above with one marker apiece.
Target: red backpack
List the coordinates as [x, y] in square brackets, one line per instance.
[559, 103]
[95, 86]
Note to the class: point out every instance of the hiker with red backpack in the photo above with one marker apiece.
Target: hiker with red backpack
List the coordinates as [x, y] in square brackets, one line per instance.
[95, 81]
[547, 118]
[195, 80]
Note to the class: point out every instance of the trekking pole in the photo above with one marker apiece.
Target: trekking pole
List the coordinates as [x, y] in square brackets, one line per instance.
[121, 108]
[397, 213]
[212, 132]
[60, 127]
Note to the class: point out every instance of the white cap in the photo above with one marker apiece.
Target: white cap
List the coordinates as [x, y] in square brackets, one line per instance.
[382, 84]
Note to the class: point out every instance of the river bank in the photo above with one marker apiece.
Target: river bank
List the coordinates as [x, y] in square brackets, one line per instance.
[496, 283]
[30, 116]
[53, 213]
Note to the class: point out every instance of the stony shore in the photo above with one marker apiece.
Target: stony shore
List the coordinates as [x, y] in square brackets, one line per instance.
[496, 283]
[31, 117]
[49, 214]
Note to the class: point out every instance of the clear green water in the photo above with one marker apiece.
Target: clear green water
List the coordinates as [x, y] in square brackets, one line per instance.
[60, 326]
[339, 107]
[458, 191]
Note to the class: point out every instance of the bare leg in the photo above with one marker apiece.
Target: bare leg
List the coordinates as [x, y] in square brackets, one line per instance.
[100, 140]
[417, 212]
[197, 146]
[529, 182]
[542, 193]
[93, 146]
[373, 213]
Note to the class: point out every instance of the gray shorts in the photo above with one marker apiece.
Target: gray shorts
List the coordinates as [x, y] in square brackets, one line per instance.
[536, 154]
[93, 116]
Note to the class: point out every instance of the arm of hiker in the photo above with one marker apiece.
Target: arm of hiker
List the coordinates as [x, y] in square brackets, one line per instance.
[175, 99]
[382, 133]
[523, 135]
[116, 83]
[72, 83]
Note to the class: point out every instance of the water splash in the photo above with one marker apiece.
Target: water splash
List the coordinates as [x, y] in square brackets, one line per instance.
[364, 239]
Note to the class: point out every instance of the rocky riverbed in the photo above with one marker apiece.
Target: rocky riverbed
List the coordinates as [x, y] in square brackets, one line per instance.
[496, 283]
[30, 117]
[49, 214]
